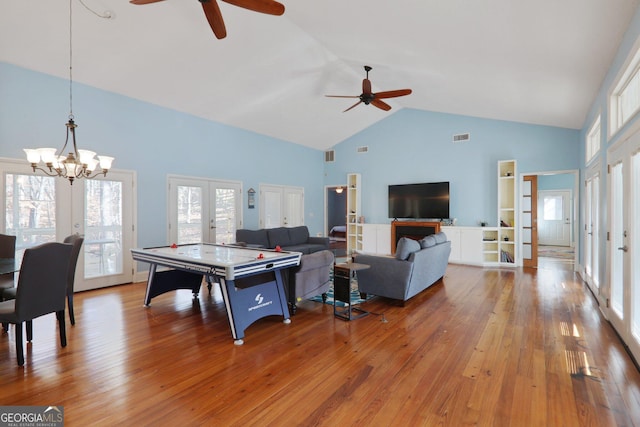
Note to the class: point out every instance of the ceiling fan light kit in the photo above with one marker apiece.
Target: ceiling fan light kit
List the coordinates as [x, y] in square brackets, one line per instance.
[368, 97]
[214, 16]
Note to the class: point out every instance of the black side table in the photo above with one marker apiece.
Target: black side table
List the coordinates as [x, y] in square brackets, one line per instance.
[342, 290]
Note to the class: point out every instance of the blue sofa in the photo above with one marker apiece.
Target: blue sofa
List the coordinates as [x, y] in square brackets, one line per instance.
[295, 239]
[416, 266]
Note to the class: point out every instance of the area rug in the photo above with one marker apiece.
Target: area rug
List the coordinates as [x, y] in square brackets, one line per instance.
[563, 252]
[355, 296]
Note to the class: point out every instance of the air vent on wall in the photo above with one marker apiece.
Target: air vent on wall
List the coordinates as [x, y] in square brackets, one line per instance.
[363, 149]
[461, 137]
[329, 156]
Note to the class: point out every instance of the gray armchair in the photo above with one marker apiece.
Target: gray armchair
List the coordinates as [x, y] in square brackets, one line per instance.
[312, 277]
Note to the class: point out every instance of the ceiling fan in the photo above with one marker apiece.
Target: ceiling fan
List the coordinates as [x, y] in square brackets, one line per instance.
[212, 11]
[374, 99]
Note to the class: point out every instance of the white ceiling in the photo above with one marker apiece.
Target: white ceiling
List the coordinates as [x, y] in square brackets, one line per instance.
[532, 61]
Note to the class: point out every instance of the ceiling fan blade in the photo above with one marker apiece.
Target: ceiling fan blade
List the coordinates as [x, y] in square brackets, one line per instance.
[144, 1]
[342, 96]
[393, 93]
[270, 7]
[381, 105]
[212, 12]
[354, 105]
[366, 87]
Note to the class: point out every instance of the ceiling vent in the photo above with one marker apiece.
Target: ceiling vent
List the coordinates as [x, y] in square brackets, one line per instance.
[329, 156]
[461, 137]
[363, 149]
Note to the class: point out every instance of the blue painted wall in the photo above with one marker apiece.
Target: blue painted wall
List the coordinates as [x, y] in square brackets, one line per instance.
[416, 146]
[562, 181]
[153, 141]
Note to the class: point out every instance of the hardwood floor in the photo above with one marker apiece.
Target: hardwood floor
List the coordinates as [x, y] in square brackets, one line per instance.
[489, 347]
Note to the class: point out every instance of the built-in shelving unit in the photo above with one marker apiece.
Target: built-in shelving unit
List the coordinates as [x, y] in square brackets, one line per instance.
[354, 226]
[490, 250]
[507, 196]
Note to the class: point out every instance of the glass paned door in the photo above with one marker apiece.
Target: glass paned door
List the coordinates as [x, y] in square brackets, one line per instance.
[591, 239]
[30, 209]
[103, 228]
[623, 224]
[529, 221]
[227, 204]
[103, 213]
[40, 209]
[202, 210]
[189, 223]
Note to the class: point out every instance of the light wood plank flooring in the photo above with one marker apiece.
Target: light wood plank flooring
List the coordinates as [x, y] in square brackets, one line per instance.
[488, 347]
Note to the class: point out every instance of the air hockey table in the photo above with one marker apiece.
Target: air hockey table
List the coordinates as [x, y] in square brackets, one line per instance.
[250, 279]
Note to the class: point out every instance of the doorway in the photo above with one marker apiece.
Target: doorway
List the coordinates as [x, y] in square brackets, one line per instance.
[335, 218]
[549, 223]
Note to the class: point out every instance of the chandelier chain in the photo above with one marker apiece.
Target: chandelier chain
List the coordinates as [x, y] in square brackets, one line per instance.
[70, 61]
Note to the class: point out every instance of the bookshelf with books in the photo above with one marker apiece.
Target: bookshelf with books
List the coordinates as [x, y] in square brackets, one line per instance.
[507, 196]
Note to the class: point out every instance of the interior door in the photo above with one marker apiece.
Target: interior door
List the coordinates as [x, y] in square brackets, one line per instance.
[624, 237]
[529, 221]
[554, 217]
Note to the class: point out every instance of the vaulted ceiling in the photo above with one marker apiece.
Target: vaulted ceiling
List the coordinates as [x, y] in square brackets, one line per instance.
[532, 61]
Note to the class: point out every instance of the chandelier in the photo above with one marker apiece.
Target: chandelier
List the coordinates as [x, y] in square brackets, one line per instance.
[77, 163]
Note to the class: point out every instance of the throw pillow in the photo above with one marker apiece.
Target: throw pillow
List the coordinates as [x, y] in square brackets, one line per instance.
[406, 247]
[428, 241]
[440, 237]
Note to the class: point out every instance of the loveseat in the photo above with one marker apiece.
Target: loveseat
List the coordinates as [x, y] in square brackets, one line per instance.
[294, 239]
[416, 266]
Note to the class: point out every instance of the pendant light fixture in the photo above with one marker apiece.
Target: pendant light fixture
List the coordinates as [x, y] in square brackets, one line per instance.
[77, 163]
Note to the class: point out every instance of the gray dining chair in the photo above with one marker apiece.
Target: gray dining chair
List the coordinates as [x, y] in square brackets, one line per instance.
[42, 287]
[7, 250]
[76, 240]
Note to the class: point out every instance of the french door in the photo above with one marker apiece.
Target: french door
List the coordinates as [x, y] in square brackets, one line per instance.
[202, 210]
[103, 213]
[624, 238]
[281, 206]
[592, 231]
[39, 209]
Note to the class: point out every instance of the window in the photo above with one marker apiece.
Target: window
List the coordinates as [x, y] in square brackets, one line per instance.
[552, 208]
[593, 140]
[624, 100]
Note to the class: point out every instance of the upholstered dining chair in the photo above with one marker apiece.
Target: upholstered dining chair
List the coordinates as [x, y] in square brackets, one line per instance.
[7, 250]
[76, 240]
[42, 287]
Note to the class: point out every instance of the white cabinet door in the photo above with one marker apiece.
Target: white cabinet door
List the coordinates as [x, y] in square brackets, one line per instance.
[453, 235]
[376, 239]
[471, 246]
[383, 238]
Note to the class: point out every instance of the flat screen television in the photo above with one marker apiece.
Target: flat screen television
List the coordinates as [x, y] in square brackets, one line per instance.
[429, 200]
